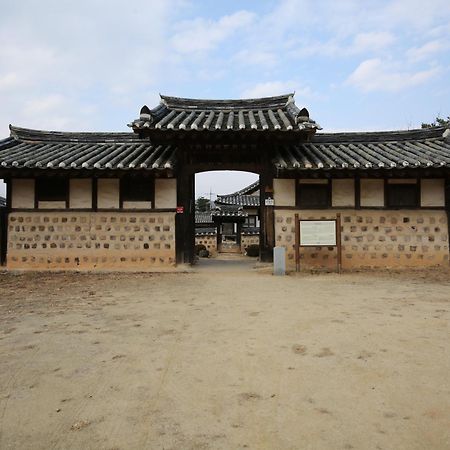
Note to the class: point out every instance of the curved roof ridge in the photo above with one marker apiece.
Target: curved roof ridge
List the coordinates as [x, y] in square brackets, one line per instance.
[245, 103]
[29, 134]
[392, 135]
[245, 190]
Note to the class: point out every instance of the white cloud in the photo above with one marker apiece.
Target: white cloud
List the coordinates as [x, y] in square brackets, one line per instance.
[59, 61]
[45, 104]
[254, 56]
[377, 75]
[371, 41]
[335, 47]
[413, 13]
[427, 50]
[9, 80]
[272, 88]
[202, 35]
[348, 27]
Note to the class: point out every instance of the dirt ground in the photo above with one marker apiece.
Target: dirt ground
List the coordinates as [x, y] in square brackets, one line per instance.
[225, 360]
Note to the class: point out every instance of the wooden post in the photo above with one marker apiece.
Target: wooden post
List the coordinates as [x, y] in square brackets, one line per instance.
[266, 217]
[297, 243]
[3, 234]
[4, 218]
[190, 222]
[184, 222]
[218, 236]
[447, 206]
[338, 242]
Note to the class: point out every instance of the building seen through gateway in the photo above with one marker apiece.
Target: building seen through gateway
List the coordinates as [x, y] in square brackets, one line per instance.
[231, 224]
[125, 201]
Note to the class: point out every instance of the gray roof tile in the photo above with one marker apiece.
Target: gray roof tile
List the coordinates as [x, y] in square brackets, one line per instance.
[247, 196]
[28, 149]
[203, 217]
[388, 150]
[239, 200]
[261, 114]
[57, 150]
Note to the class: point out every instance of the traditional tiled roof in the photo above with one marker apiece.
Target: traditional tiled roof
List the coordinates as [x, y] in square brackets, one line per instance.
[205, 231]
[66, 150]
[203, 217]
[2, 202]
[241, 197]
[250, 230]
[31, 149]
[370, 150]
[260, 114]
[247, 231]
[239, 200]
[228, 211]
[247, 190]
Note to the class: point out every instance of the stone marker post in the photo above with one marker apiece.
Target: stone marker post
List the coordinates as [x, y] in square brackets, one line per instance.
[279, 261]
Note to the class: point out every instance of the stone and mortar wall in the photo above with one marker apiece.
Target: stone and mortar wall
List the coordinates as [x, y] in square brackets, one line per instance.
[91, 240]
[209, 241]
[371, 238]
[248, 239]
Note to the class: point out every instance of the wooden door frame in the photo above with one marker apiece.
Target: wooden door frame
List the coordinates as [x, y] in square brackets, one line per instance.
[185, 222]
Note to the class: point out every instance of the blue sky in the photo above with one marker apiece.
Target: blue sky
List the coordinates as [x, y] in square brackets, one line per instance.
[91, 65]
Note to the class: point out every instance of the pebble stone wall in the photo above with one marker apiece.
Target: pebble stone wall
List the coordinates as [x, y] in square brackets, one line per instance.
[249, 239]
[85, 241]
[371, 238]
[209, 241]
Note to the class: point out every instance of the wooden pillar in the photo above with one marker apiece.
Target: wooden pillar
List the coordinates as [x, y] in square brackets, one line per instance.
[4, 214]
[266, 217]
[238, 233]
[447, 207]
[218, 236]
[184, 222]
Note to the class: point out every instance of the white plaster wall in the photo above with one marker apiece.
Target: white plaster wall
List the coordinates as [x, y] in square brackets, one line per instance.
[284, 191]
[137, 205]
[108, 193]
[432, 192]
[343, 192]
[51, 204]
[313, 181]
[80, 193]
[165, 193]
[22, 193]
[372, 193]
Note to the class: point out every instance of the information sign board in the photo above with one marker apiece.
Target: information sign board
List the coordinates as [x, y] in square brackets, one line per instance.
[317, 233]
